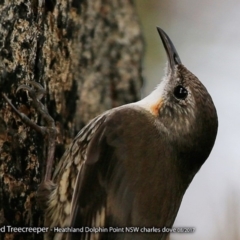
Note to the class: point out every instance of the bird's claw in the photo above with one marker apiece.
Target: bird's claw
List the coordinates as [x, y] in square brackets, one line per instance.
[37, 92]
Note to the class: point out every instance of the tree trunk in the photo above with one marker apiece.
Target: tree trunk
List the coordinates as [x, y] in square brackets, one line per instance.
[87, 55]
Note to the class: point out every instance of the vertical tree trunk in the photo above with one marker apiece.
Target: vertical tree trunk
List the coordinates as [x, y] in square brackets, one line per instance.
[87, 54]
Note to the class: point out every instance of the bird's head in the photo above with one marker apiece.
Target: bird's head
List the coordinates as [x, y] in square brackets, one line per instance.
[183, 106]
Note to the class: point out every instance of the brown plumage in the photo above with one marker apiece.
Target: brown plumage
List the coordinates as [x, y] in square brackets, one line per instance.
[131, 165]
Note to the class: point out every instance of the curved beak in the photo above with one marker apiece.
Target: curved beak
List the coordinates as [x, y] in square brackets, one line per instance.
[171, 51]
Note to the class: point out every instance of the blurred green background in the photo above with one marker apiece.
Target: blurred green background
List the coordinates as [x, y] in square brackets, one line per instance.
[206, 35]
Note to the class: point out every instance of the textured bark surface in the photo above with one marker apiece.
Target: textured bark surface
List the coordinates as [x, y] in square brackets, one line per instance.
[87, 54]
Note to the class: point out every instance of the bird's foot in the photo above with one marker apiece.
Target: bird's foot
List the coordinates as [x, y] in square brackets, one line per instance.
[35, 93]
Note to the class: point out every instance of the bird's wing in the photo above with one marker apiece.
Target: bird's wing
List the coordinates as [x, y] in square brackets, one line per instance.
[58, 212]
[103, 195]
[89, 197]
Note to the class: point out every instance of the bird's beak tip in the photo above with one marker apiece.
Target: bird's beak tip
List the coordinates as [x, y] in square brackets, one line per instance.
[171, 51]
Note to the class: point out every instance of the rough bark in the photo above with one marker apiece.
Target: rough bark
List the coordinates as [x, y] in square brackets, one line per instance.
[87, 54]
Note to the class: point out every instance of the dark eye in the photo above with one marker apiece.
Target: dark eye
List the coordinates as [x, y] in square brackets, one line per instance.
[180, 92]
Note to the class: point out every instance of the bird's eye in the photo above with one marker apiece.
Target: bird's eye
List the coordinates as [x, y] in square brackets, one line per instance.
[180, 92]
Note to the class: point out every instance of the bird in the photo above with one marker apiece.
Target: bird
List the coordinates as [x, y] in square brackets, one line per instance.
[131, 165]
